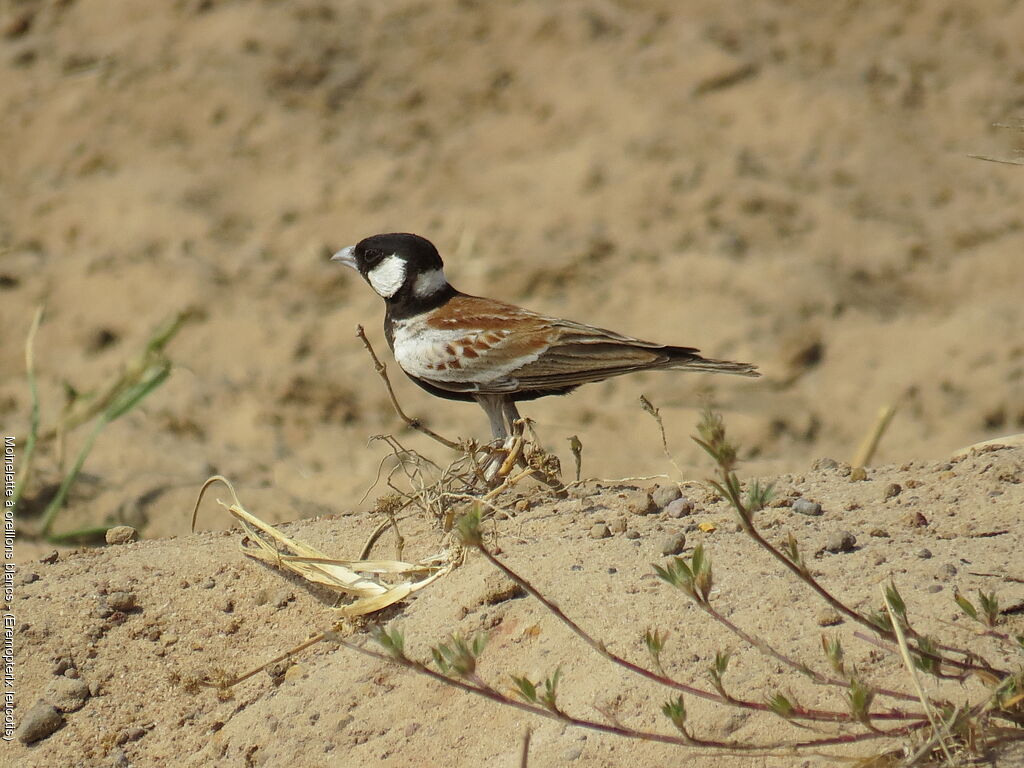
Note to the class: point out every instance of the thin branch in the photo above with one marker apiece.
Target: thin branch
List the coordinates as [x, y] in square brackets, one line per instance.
[382, 371]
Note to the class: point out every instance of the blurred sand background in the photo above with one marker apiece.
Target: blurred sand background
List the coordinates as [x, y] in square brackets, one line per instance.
[785, 183]
[766, 182]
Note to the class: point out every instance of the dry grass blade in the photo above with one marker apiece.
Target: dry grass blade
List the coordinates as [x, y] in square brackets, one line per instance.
[271, 546]
[870, 442]
[939, 733]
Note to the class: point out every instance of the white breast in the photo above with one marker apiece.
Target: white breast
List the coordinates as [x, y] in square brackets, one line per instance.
[438, 354]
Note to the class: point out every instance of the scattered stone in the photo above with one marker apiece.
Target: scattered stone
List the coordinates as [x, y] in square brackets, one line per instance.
[680, 507]
[67, 694]
[912, 483]
[916, 520]
[600, 531]
[129, 734]
[122, 601]
[948, 570]
[521, 505]
[664, 495]
[829, 618]
[879, 533]
[63, 664]
[639, 503]
[121, 534]
[118, 759]
[39, 722]
[27, 578]
[632, 533]
[673, 545]
[892, 490]
[707, 527]
[924, 554]
[850, 506]
[858, 474]
[281, 598]
[50, 559]
[825, 463]
[618, 525]
[933, 588]
[573, 753]
[841, 541]
[807, 507]
[878, 558]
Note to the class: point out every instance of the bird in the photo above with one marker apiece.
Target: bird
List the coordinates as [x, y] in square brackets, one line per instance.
[462, 347]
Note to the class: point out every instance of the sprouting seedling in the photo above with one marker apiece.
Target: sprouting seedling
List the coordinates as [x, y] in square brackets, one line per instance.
[654, 640]
[989, 603]
[460, 654]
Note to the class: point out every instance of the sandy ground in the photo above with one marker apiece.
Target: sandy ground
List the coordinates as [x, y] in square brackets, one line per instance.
[776, 184]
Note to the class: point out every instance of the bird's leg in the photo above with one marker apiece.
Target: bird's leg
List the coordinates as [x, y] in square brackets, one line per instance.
[493, 406]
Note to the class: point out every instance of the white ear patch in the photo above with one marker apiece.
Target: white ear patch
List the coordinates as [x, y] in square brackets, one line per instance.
[428, 283]
[388, 276]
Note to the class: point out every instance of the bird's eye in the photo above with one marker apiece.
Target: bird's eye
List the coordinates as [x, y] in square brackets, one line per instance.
[371, 257]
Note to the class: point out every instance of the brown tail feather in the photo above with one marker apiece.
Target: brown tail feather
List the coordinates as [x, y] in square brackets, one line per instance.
[694, 362]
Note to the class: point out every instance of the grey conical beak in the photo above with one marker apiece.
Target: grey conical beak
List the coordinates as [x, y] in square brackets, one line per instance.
[346, 256]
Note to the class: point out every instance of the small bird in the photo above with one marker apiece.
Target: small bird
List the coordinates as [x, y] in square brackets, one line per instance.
[464, 347]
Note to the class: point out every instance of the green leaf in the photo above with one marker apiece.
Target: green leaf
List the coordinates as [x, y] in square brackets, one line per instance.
[676, 712]
[526, 688]
[468, 527]
[966, 605]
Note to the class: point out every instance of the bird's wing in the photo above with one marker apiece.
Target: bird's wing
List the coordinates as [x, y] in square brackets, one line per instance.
[497, 348]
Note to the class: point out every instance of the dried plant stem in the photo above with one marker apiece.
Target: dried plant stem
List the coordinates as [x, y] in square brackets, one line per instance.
[939, 731]
[33, 428]
[762, 646]
[729, 487]
[799, 712]
[869, 444]
[475, 685]
[382, 371]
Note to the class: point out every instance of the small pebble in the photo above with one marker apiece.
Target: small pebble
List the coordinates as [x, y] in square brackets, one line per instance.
[121, 534]
[618, 525]
[879, 533]
[825, 463]
[600, 531]
[632, 533]
[878, 558]
[67, 694]
[857, 474]
[892, 490]
[39, 722]
[933, 588]
[664, 495]
[572, 753]
[118, 759]
[916, 520]
[829, 618]
[807, 507]
[122, 601]
[27, 578]
[681, 507]
[841, 541]
[673, 545]
[924, 554]
[50, 559]
[948, 570]
[129, 734]
[640, 503]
